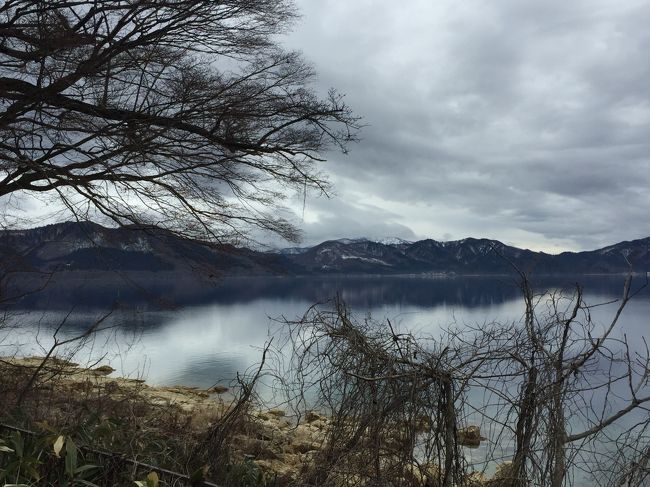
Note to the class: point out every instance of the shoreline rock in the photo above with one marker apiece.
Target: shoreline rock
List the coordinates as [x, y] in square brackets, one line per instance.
[281, 445]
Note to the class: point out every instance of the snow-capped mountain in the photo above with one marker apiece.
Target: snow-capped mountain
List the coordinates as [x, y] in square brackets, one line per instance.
[89, 247]
[466, 256]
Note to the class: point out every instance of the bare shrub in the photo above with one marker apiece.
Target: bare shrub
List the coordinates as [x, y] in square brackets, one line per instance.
[557, 393]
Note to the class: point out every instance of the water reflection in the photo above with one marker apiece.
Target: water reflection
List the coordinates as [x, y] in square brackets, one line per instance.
[220, 331]
[170, 290]
[204, 343]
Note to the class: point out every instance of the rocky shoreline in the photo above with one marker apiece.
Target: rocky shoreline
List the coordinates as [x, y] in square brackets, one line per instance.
[281, 446]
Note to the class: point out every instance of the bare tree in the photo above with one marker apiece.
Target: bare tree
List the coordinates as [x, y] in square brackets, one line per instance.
[186, 115]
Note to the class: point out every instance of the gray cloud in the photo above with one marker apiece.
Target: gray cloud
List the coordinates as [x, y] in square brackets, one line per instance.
[327, 218]
[522, 121]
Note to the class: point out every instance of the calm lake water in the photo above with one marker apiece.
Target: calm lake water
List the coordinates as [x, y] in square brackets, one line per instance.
[211, 342]
[203, 344]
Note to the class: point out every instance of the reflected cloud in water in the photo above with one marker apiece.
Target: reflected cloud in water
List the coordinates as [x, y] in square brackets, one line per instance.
[204, 344]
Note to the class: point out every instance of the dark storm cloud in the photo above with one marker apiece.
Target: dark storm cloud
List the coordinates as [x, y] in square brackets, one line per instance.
[522, 121]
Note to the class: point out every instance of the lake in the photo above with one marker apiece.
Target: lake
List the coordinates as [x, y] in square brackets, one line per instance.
[222, 334]
[211, 341]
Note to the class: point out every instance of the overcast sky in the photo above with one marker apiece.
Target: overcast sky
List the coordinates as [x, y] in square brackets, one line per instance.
[523, 121]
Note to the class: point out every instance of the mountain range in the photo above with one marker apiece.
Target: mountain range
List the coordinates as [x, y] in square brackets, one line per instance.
[88, 247]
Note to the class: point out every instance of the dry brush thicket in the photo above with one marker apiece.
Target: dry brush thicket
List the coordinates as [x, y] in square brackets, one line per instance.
[121, 430]
[558, 395]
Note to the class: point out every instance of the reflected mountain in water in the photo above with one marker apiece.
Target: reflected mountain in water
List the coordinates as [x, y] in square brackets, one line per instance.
[85, 264]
